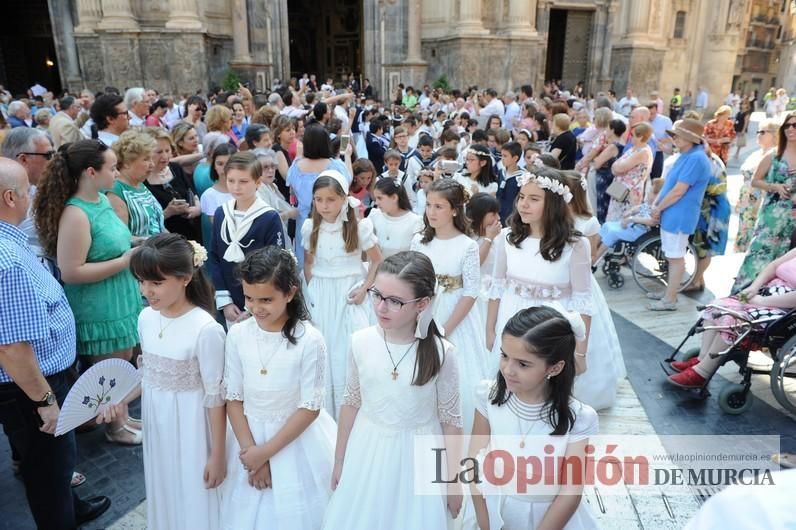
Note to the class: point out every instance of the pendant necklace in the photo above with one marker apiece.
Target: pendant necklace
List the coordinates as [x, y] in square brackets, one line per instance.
[162, 327]
[516, 408]
[395, 365]
[264, 366]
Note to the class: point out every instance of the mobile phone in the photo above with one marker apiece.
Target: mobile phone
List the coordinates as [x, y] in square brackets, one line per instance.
[449, 166]
[344, 139]
[180, 201]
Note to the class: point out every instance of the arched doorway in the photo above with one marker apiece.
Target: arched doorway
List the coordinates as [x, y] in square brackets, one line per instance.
[27, 49]
[325, 38]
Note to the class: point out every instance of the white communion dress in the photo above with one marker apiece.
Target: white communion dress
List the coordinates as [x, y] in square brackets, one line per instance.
[376, 488]
[335, 273]
[183, 365]
[301, 471]
[605, 366]
[395, 233]
[507, 509]
[458, 270]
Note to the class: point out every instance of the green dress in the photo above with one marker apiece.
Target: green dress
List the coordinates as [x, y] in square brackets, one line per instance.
[144, 211]
[106, 312]
[772, 232]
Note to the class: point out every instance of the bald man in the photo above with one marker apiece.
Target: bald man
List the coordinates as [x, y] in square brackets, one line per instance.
[37, 347]
[638, 115]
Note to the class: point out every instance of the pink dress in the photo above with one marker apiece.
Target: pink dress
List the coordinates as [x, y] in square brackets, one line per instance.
[783, 282]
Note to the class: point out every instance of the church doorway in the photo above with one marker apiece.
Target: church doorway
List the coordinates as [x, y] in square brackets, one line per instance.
[325, 38]
[568, 46]
[27, 49]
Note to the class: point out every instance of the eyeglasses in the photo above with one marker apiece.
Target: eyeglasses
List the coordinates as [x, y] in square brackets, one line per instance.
[791, 125]
[393, 304]
[47, 156]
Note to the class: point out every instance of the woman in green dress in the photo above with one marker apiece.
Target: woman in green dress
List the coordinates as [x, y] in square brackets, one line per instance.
[131, 200]
[776, 176]
[78, 227]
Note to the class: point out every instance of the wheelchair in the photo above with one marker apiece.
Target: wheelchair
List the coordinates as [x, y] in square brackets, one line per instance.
[774, 334]
[648, 265]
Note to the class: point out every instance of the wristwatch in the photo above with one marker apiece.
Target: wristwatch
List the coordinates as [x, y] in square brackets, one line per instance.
[46, 401]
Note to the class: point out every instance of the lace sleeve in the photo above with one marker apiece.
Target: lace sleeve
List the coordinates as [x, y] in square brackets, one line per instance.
[313, 373]
[471, 270]
[449, 407]
[351, 393]
[210, 354]
[233, 369]
[499, 268]
[580, 278]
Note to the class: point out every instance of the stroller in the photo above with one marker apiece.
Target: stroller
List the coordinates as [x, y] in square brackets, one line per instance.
[774, 334]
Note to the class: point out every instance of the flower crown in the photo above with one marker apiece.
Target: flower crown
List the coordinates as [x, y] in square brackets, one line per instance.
[199, 254]
[476, 152]
[546, 183]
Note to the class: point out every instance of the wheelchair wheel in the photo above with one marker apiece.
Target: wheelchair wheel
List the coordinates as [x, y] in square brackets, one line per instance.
[606, 267]
[651, 269]
[616, 281]
[782, 386]
[735, 398]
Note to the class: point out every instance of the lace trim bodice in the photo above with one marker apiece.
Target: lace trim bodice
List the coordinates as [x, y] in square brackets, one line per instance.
[456, 257]
[172, 375]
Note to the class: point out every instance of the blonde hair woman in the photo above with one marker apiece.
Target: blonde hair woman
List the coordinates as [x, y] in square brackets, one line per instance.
[219, 118]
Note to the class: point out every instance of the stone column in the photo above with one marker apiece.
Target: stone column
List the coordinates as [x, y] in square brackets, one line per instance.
[413, 47]
[240, 32]
[639, 18]
[470, 17]
[116, 14]
[89, 13]
[520, 16]
[184, 14]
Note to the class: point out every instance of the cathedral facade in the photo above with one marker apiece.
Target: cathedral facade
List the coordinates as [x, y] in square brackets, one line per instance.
[180, 46]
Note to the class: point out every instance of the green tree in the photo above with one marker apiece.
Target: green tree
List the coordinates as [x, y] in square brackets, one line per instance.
[231, 81]
[442, 83]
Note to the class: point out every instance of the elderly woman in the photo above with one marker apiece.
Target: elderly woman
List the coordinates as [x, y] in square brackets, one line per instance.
[219, 119]
[632, 170]
[173, 189]
[720, 132]
[749, 201]
[773, 292]
[776, 176]
[131, 200]
[678, 206]
[195, 107]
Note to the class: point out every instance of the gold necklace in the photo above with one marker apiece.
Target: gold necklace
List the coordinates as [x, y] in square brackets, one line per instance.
[162, 327]
[264, 366]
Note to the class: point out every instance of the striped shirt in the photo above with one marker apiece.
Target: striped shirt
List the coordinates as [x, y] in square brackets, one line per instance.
[33, 306]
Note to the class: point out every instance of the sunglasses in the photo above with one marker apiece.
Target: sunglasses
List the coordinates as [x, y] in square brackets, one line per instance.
[47, 156]
[791, 125]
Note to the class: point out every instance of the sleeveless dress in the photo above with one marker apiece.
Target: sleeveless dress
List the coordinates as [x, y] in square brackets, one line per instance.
[377, 484]
[144, 212]
[749, 200]
[106, 312]
[775, 224]
[635, 180]
[603, 180]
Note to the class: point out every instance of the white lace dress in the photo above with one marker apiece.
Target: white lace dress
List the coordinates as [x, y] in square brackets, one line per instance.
[604, 363]
[183, 372]
[522, 279]
[517, 418]
[456, 260]
[376, 488]
[335, 273]
[395, 233]
[301, 472]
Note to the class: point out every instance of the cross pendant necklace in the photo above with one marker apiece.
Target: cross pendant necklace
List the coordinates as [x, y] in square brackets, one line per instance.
[394, 372]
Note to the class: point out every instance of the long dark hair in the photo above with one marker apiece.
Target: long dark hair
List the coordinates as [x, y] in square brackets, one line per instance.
[548, 335]
[457, 196]
[484, 176]
[59, 182]
[557, 220]
[417, 270]
[170, 254]
[278, 267]
[390, 187]
[350, 232]
[226, 149]
[481, 204]
[782, 140]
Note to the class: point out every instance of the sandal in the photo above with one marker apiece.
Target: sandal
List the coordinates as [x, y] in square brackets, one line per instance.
[785, 460]
[124, 435]
[662, 305]
[78, 479]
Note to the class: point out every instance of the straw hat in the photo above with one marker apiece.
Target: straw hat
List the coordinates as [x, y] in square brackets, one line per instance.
[688, 129]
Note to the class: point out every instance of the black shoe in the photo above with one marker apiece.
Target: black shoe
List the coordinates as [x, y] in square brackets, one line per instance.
[90, 509]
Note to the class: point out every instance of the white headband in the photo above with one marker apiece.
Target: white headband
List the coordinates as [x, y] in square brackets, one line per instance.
[350, 202]
[546, 183]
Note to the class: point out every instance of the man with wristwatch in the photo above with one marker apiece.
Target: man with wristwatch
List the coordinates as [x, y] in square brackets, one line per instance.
[37, 347]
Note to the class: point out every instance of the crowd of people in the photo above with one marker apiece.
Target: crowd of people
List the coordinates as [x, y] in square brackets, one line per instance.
[311, 277]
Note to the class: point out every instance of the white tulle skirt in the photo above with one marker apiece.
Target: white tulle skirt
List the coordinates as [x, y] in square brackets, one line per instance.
[301, 475]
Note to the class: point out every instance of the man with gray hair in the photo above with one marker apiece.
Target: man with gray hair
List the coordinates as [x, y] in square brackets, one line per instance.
[512, 110]
[137, 106]
[63, 127]
[32, 149]
[18, 114]
[276, 100]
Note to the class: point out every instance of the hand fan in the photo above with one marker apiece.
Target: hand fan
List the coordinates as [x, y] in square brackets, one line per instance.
[106, 383]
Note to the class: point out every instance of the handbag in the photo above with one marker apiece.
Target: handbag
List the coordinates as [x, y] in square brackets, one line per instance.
[618, 191]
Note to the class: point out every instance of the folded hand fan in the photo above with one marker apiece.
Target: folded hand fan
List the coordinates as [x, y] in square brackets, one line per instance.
[106, 383]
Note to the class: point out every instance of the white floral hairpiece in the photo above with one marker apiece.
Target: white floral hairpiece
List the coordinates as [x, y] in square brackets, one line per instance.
[199, 254]
[546, 183]
[471, 151]
[583, 183]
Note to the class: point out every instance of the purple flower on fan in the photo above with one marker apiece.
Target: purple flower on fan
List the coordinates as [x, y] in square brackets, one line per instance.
[112, 383]
[102, 380]
[86, 400]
